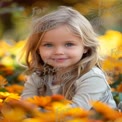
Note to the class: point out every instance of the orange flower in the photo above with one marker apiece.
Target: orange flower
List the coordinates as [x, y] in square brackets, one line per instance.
[21, 77]
[112, 66]
[76, 112]
[57, 97]
[14, 88]
[27, 108]
[1, 103]
[119, 88]
[6, 70]
[40, 101]
[60, 98]
[106, 111]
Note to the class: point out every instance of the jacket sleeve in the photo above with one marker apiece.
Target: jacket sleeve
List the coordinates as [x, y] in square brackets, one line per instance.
[31, 86]
[90, 89]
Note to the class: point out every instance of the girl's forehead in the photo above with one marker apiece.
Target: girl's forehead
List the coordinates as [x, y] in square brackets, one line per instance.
[61, 32]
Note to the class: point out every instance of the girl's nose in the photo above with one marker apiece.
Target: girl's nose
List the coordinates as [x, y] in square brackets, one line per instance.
[59, 50]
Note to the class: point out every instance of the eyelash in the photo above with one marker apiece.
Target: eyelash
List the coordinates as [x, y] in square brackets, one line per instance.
[47, 45]
[67, 45]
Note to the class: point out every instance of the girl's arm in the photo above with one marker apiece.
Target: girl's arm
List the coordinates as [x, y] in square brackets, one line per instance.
[94, 88]
[31, 86]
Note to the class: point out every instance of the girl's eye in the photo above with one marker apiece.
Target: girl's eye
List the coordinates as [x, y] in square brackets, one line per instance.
[48, 45]
[69, 44]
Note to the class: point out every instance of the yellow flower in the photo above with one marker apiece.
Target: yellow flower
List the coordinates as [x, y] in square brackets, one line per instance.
[1, 100]
[7, 61]
[117, 52]
[12, 96]
[113, 39]
[4, 95]
[48, 116]
[80, 120]
[15, 49]
[59, 107]
[33, 120]
[13, 114]
[1, 103]
[58, 103]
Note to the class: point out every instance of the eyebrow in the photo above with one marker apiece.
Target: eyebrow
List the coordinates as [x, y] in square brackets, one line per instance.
[64, 41]
[46, 41]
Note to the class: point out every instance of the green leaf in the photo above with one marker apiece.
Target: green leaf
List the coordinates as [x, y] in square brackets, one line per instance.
[3, 90]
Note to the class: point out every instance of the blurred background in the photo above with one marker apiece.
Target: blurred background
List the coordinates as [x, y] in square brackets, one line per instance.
[15, 22]
[15, 15]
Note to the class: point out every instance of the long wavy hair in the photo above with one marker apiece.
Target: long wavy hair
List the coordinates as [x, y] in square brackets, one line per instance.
[81, 27]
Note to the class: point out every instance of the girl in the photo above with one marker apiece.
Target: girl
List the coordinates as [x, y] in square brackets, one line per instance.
[62, 58]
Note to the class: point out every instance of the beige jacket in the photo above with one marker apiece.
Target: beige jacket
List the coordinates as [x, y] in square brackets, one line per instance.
[92, 86]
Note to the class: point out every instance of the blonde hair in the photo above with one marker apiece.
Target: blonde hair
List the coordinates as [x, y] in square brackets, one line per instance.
[81, 27]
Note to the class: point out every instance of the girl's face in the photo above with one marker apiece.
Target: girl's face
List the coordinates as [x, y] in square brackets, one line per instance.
[60, 48]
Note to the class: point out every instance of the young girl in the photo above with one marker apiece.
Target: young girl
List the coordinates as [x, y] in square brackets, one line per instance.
[62, 58]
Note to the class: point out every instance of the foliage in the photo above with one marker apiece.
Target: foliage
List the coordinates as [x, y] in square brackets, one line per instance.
[14, 14]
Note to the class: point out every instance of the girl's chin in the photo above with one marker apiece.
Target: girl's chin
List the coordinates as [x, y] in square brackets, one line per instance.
[58, 67]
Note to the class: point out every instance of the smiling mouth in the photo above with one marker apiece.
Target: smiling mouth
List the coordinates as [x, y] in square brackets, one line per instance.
[60, 59]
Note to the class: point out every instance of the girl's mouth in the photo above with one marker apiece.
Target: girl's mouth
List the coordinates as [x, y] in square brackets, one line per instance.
[60, 59]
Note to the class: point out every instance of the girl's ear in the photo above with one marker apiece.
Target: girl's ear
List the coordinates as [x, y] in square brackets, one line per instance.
[85, 50]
